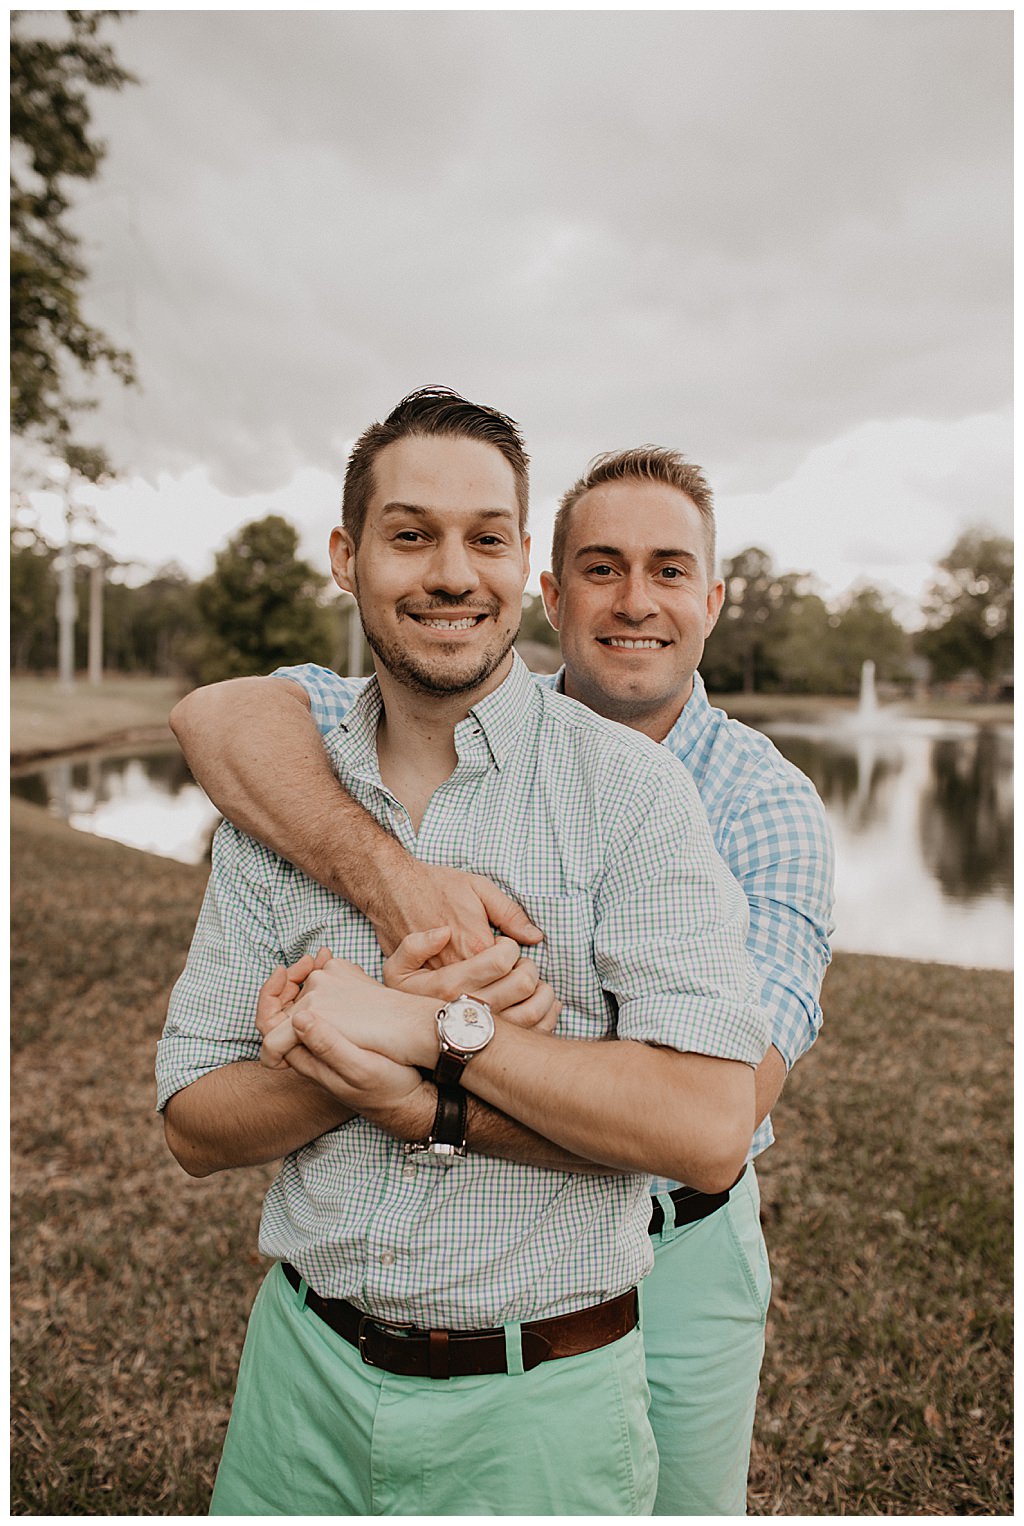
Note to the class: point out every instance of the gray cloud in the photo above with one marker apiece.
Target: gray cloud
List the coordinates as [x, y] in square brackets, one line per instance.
[744, 233]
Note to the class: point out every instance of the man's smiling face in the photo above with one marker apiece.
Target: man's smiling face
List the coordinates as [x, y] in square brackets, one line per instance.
[441, 564]
[635, 603]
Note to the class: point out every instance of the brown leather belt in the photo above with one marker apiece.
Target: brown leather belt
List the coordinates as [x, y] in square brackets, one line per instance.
[467, 1353]
[690, 1206]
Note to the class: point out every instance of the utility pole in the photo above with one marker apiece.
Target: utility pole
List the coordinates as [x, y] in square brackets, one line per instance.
[87, 465]
[97, 578]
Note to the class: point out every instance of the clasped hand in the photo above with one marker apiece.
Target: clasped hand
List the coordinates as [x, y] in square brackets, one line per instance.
[362, 1040]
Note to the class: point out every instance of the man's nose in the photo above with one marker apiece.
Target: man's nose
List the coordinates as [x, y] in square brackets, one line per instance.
[634, 600]
[452, 569]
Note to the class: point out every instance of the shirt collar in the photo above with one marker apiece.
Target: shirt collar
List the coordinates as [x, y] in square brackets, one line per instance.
[500, 716]
[690, 722]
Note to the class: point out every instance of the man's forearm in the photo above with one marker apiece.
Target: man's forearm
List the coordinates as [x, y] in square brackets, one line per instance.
[489, 1132]
[629, 1105]
[244, 1115]
[254, 747]
[688, 1117]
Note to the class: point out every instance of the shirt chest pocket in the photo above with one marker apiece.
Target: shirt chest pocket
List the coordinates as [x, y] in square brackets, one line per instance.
[566, 961]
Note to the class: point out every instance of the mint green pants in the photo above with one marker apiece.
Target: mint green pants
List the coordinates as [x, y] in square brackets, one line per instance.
[314, 1431]
[704, 1308]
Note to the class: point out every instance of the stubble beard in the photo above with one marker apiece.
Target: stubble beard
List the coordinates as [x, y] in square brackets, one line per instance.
[433, 679]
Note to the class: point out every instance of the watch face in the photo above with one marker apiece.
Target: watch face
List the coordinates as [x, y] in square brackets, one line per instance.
[467, 1024]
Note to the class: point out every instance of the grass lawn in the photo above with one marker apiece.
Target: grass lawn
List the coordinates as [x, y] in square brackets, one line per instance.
[887, 1385]
[48, 719]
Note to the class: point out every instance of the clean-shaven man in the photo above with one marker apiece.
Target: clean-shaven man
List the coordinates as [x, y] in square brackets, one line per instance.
[633, 594]
[462, 1338]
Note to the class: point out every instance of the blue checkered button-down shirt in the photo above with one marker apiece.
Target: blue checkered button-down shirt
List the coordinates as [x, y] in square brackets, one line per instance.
[768, 824]
[600, 836]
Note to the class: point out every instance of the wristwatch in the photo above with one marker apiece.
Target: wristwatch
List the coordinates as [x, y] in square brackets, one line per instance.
[464, 1027]
[447, 1137]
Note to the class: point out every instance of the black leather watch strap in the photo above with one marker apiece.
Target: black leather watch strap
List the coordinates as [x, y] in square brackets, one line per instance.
[448, 1070]
[450, 1118]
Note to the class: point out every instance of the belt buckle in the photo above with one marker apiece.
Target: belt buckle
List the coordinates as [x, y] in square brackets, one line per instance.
[386, 1327]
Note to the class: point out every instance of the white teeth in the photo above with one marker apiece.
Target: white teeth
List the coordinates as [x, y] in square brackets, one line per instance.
[448, 625]
[631, 646]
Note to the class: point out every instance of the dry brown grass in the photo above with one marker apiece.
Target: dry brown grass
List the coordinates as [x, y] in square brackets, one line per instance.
[886, 1387]
[888, 1210]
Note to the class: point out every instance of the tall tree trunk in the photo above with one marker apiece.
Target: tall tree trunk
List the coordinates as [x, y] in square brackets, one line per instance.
[96, 576]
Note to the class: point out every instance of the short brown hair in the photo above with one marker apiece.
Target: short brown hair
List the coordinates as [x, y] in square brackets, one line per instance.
[431, 411]
[644, 463]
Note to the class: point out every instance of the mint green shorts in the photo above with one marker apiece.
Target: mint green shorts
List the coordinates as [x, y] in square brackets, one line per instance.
[314, 1431]
[704, 1307]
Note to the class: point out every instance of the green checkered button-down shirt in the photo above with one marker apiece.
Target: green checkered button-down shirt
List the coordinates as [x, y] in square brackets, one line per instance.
[600, 836]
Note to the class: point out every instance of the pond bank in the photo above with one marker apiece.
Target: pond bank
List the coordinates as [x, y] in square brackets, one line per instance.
[47, 721]
[755, 708]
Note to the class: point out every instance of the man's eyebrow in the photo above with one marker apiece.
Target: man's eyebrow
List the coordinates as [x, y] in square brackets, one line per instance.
[675, 555]
[398, 507]
[667, 554]
[594, 550]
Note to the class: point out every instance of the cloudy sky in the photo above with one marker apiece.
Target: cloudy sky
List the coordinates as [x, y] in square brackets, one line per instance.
[779, 241]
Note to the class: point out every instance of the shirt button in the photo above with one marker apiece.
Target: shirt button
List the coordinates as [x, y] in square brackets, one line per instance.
[387, 1258]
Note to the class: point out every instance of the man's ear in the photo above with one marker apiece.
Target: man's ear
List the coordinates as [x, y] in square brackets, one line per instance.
[343, 556]
[549, 592]
[716, 598]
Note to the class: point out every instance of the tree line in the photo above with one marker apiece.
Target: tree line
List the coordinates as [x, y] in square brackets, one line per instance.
[263, 605]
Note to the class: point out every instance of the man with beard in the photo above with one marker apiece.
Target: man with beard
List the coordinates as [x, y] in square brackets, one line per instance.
[463, 1337]
[633, 594]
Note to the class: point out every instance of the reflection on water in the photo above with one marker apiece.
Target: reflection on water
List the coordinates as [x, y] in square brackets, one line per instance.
[149, 801]
[968, 833]
[922, 815]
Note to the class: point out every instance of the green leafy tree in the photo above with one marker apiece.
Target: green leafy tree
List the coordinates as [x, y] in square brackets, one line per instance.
[823, 649]
[50, 121]
[969, 610]
[33, 602]
[865, 626]
[740, 652]
[153, 628]
[804, 657]
[262, 606]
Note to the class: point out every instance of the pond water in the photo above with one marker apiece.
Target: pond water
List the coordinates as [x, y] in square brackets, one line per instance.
[147, 799]
[922, 814]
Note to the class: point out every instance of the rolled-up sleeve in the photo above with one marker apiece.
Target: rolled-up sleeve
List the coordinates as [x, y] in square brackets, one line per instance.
[780, 849]
[672, 926]
[330, 696]
[211, 1017]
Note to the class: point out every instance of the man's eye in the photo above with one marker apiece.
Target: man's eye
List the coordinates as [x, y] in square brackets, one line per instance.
[409, 535]
[601, 570]
[670, 573]
[490, 540]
